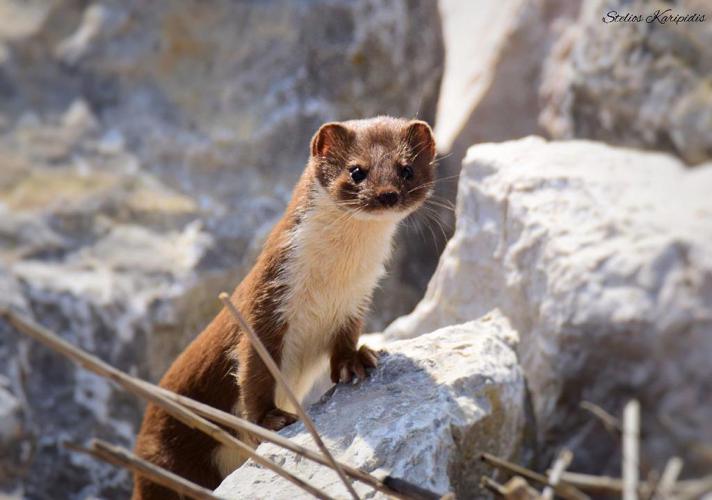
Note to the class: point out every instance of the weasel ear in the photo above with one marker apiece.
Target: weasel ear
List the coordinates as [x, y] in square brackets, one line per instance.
[419, 137]
[330, 136]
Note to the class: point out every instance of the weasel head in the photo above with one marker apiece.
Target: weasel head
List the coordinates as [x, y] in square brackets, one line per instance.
[380, 168]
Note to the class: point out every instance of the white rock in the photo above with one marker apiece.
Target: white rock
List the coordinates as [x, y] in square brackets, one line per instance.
[601, 258]
[643, 84]
[490, 81]
[432, 406]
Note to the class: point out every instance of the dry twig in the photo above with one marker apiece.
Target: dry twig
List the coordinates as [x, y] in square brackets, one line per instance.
[141, 389]
[631, 449]
[282, 381]
[123, 458]
[611, 423]
[564, 490]
[563, 460]
[592, 483]
[516, 488]
[492, 485]
[233, 422]
[669, 478]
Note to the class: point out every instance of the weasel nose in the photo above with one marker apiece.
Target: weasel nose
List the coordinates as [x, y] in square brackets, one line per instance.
[388, 199]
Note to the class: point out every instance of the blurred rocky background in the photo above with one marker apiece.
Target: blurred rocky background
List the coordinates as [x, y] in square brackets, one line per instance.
[146, 148]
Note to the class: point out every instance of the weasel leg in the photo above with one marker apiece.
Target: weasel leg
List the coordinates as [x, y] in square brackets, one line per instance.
[348, 361]
[356, 364]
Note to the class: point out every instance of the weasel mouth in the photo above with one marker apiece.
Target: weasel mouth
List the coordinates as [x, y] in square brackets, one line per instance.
[386, 206]
[382, 215]
[377, 211]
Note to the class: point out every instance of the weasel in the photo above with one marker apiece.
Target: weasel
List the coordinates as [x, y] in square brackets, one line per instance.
[306, 296]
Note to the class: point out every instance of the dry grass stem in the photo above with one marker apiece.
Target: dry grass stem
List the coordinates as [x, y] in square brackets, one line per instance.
[213, 422]
[142, 389]
[631, 450]
[282, 381]
[594, 483]
[492, 485]
[236, 423]
[564, 490]
[516, 488]
[563, 460]
[669, 478]
[611, 423]
[121, 457]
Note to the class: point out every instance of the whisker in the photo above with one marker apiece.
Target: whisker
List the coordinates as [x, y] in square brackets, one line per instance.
[411, 224]
[433, 182]
[438, 212]
[443, 203]
[446, 155]
[420, 147]
[447, 205]
[418, 224]
[434, 216]
[436, 245]
[351, 203]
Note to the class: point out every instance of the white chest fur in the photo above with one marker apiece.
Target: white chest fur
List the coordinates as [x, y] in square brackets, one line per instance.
[334, 264]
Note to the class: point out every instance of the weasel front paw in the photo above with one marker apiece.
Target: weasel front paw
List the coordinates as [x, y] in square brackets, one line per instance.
[276, 419]
[355, 363]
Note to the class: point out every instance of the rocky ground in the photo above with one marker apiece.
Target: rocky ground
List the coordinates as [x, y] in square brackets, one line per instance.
[649, 85]
[146, 149]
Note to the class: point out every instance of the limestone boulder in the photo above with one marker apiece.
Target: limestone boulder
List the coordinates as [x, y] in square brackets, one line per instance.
[424, 415]
[600, 257]
[490, 81]
[645, 84]
[493, 69]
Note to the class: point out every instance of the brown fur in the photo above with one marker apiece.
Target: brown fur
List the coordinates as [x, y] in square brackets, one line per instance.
[347, 360]
[219, 367]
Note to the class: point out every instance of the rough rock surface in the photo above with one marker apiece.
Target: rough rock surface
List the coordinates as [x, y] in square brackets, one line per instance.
[145, 151]
[424, 415]
[644, 84]
[491, 81]
[600, 257]
[221, 103]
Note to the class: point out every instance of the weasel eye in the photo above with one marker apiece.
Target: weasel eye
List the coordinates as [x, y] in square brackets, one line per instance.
[407, 172]
[357, 174]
